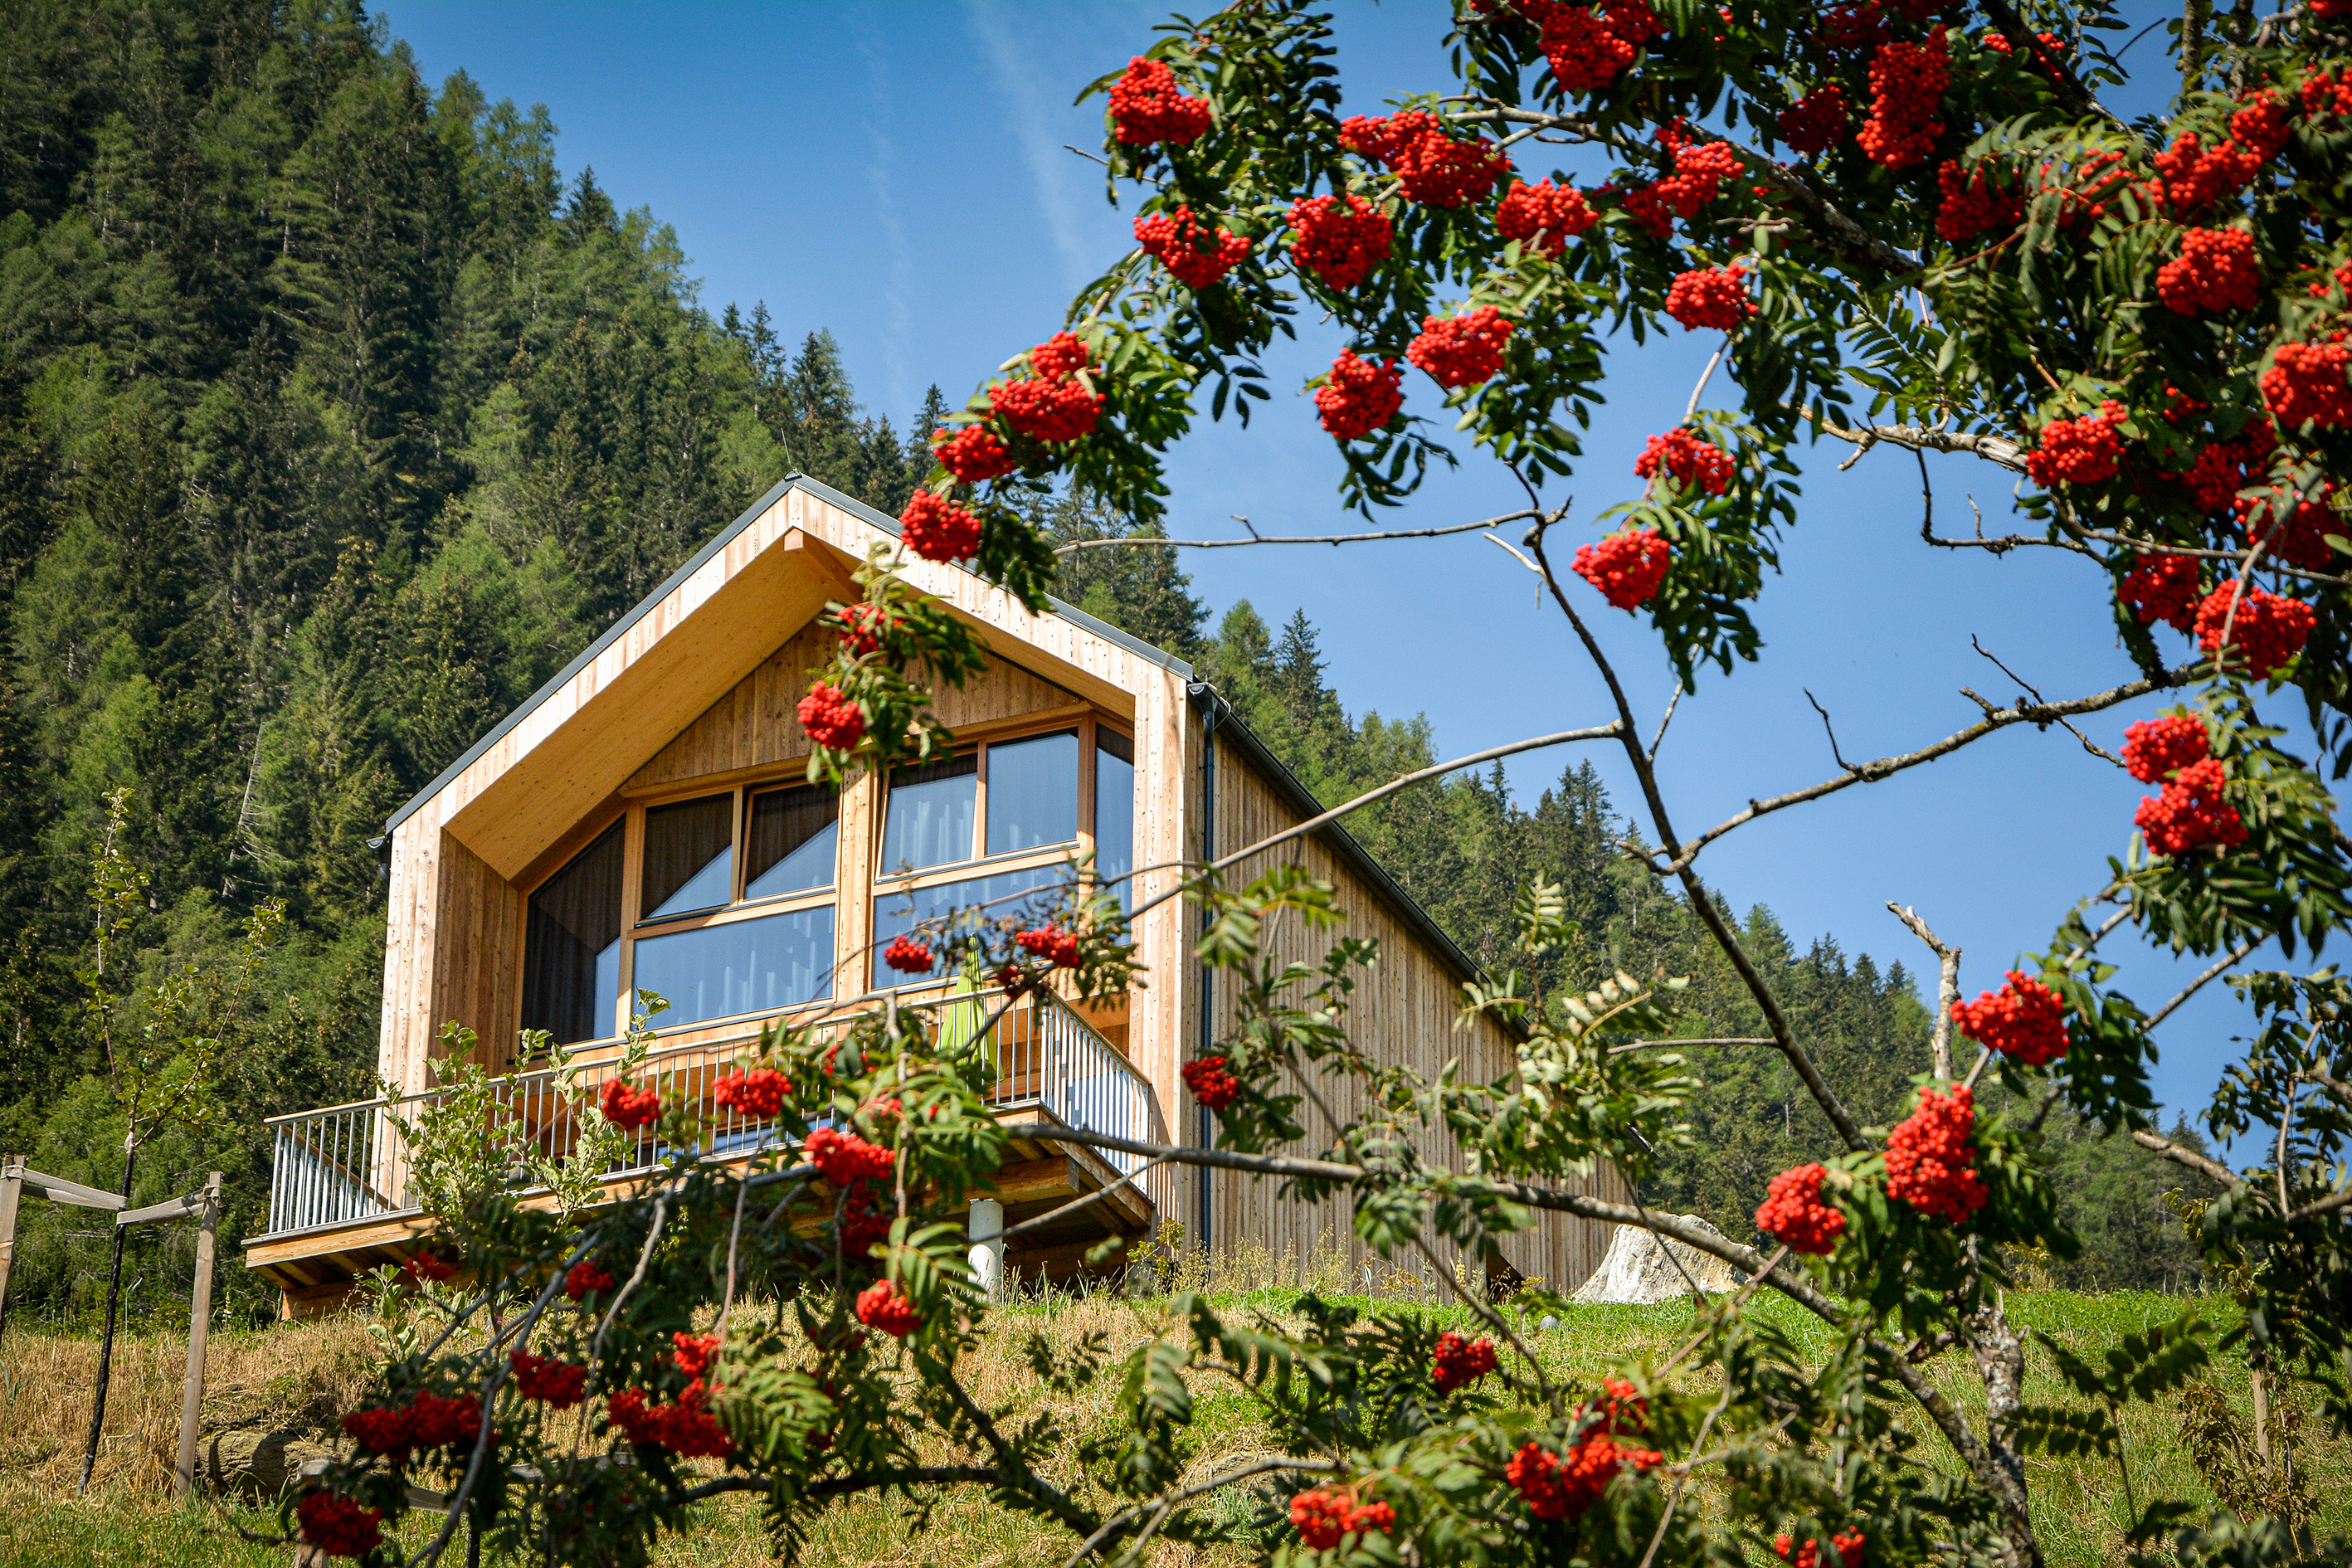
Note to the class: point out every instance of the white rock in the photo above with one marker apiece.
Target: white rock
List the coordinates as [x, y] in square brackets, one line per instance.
[1637, 1269]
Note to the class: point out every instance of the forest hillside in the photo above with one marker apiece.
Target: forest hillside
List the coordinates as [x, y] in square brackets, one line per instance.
[334, 418]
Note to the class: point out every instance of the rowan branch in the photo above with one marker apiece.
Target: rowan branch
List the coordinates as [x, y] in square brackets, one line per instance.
[1947, 988]
[2025, 711]
[1153, 540]
[1998, 449]
[2165, 1148]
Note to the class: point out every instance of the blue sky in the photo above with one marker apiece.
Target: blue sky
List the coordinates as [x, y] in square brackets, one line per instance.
[896, 173]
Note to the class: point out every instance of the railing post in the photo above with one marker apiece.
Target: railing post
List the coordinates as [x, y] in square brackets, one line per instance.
[200, 1320]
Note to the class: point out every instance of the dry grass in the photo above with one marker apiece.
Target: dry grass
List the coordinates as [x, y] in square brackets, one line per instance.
[313, 1370]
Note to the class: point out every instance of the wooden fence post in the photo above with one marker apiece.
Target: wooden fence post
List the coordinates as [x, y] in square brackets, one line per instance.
[200, 1323]
[12, 1189]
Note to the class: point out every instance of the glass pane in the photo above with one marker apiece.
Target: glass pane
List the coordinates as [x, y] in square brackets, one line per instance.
[790, 846]
[1033, 791]
[744, 966]
[571, 946]
[928, 820]
[898, 913]
[689, 850]
[1115, 813]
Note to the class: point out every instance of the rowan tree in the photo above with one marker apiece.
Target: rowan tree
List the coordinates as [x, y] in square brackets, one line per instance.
[1902, 225]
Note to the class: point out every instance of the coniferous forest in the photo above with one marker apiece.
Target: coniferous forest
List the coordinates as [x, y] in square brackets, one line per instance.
[334, 418]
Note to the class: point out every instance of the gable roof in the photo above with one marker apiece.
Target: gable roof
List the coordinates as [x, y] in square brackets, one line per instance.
[694, 563]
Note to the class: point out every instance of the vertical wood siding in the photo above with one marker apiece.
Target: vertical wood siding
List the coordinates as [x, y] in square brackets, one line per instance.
[452, 951]
[1403, 1012]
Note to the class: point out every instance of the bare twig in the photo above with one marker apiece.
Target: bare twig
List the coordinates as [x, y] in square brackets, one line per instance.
[1153, 541]
[1665, 718]
[1998, 449]
[2212, 973]
[2165, 1148]
[1947, 989]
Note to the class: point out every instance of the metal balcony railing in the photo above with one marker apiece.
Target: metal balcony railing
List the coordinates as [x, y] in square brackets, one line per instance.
[349, 1162]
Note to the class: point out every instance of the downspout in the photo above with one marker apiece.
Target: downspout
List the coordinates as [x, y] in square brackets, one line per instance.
[1206, 695]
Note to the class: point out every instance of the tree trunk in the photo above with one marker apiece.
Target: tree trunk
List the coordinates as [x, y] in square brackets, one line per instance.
[106, 1342]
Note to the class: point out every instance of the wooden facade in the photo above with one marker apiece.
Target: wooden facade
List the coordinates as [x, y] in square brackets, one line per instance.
[694, 693]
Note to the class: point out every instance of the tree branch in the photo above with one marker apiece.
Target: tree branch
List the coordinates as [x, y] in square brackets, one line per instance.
[1152, 540]
[1947, 988]
[2165, 1148]
[1998, 449]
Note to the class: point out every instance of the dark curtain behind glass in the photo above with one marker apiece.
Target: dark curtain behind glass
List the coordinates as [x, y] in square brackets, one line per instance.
[687, 850]
[572, 945]
[790, 848]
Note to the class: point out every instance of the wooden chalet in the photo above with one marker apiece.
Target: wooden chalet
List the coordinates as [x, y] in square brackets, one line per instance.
[642, 822]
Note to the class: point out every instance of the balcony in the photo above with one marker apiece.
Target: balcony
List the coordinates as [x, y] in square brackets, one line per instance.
[339, 1205]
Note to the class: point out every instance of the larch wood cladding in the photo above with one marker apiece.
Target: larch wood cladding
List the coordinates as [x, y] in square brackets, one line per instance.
[453, 953]
[1402, 1013]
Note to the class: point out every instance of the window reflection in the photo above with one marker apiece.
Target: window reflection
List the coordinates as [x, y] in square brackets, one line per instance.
[1033, 791]
[929, 819]
[789, 844]
[1115, 813]
[742, 966]
[689, 856]
[572, 945]
[895, 914]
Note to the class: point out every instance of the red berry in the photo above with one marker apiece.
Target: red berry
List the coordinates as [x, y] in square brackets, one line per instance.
[842, 1158]
[938, 529]
[429, 1266]
[906, 956]
[1929, 1162]
[1052, 943]
[1327, 1515]
[1627, 566]
[625, 1105]
[2300, 538]
[1689, 461]
[337, 1526]
[1461, 350]
[1338, 243]
[1432, 165]
[831, 719]
[1213, 1086]
[2265, 630]
[1543, 217]
[1198, 256]
[2085, 451]
[1588, 51]
[2191, 813]
[1817, 122]
[758, 1093]
[2154, 748]
[883, 1306]
[558, 1383]
[1460, 1362]
[1362, 396]
[1554, 1488]
[2306, 383]
[1710, 297]
[1973, 205]
[584, 1279]
[1793, 1213]
[973, 454]
[2024, 1019]
[1906, 84]
[1147, 107]
[2215, 272]
[2190, 178]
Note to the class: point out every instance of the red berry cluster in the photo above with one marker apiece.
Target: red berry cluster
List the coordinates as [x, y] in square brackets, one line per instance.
[560, 1384]
[2299, 538]
[864, 1221]
[2191, 177]
[1052, 943]
[883, 1306]
[1929, 1162]
[693, 1352]
[1460, 1362]
[2328, 92]
[938, 529]
[2191, 813]
[1792, 1212]
[1461, 350]
[1700, 169]
[1433, 165]
[1848, 1545]
[1329, 1515]
[1973, 204]
[1362, 396]
[583, 1280]
[1999, 44]
[625, 1105]
[429, 1266]
[1148, 108]
[2084, 451]
[2163, 588]
[1195, 252]
[1212, 1084]
[1543, 215]
[1646, 210]
[2306, 384]
[2215, 272]
[862, 627]
[2340, 279]
[830, 718]
[2222, 469]
[1338, 239]
[427, 1421]
[1689, 460]
[685, 1429]
[842, 1158]
[1907, 83]
[1852, 29]
[1817, 122]
[1054, 405]
[909, 957]
[337, 1526]
[1587, 50]
[1710, 297]
[1556, 1488]
[2265, 630]
[1627, 566]
[2024, 1019]
[758, 1093]
[973, 454]
[2154, 748]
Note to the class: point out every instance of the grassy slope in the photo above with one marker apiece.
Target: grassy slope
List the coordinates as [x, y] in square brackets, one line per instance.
[271, 1374]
